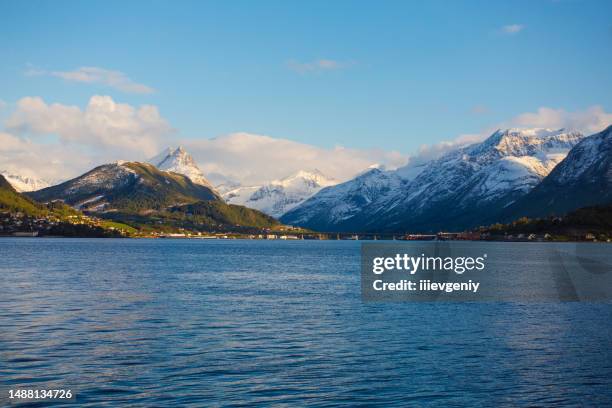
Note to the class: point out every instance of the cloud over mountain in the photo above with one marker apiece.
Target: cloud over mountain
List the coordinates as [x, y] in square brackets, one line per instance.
[49, 161]
[56, 141]
[254, 158]
[103, 124]
[590, 120]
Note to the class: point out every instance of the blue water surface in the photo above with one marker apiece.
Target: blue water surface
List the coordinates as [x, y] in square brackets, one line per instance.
[259, 323]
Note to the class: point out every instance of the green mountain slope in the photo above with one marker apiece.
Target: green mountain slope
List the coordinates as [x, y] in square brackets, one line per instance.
[203, 216]
[19, 213]
[12, 201]
[145, 197]
[228, 214]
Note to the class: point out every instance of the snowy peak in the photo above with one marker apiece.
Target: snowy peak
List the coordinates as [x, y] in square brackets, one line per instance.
[179, 161]
[526, 142]
[22, 183]
[279, 196]
[508, 163]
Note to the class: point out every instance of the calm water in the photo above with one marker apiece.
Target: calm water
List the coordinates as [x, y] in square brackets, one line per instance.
[219, 323]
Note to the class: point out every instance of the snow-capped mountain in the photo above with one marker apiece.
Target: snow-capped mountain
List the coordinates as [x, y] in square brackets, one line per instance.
[333, 205]
[495, 172]
[279, 196]
[129, 186]
[459, 190]
[179, 161]
[583, 178]
[23, 184]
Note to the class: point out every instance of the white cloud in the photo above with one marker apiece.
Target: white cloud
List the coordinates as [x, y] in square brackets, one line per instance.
[10, 143]
[107, 126]
[57, 141]
[317, 65]
[105, 130]
[588, 121]
[512, 29]
[114, 79]
[253, 159]
[52, 162]
[3, 104]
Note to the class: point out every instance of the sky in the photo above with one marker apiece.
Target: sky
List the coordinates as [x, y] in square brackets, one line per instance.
[86, 82]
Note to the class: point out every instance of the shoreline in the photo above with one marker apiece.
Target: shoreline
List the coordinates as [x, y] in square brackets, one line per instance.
[306, 239]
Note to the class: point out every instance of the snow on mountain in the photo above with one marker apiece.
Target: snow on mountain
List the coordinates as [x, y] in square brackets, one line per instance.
[334, 204]
[583, 178]
[179, 161]
[279, 196]
[90, 190]
[509, 160]
[454, 191]
[23, 184]
[593, 151]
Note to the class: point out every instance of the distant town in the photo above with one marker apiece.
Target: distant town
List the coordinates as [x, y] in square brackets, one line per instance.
[18, 224]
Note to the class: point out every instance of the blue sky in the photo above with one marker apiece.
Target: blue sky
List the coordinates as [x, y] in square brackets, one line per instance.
[389, 75]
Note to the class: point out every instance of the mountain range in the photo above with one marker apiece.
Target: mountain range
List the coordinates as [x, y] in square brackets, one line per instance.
[273, 198]
[467, 187]
[512, 173]
[143, 196]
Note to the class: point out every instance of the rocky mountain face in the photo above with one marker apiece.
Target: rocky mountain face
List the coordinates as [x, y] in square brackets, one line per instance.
[583, 178]
[465, 188]
[279, 196]
[179, 161]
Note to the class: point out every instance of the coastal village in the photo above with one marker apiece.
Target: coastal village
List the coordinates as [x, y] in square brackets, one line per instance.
[18, 224]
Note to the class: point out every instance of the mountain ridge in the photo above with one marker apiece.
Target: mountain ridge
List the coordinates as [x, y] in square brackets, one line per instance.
[461, 189]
